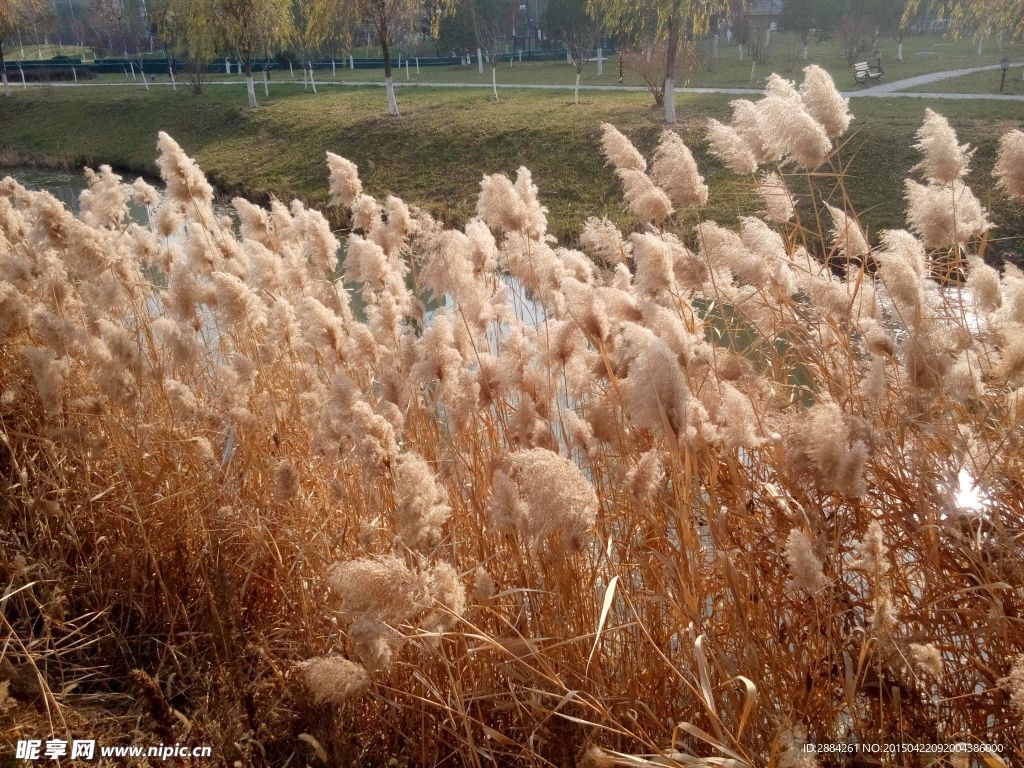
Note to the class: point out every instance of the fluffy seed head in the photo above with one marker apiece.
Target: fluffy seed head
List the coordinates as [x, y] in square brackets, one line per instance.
[944, 161]
[620, 151]
[730, 147]
[675, 171]
[334, 679]
[345, 184]
[1009, 167]
[804, 565]
[823, 101]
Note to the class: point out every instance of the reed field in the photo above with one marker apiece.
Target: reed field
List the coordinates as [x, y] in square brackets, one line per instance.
[691, 495]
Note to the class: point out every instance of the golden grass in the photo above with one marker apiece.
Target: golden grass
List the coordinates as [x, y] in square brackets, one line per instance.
[696, 508]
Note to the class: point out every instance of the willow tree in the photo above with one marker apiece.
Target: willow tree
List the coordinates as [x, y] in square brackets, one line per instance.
[389, 19]
[315, 23]
[15, 14]
[981, 18]
[673, 21]
[189, 25]
[249, 27]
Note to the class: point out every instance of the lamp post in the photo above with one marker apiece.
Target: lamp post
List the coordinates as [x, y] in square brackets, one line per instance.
[1003, 65]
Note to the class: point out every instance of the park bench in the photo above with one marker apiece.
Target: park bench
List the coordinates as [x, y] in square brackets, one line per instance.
[863, 72]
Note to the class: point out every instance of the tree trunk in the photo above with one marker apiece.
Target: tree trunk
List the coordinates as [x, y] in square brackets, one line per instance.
[494, 76]
[600, 60]
[899, 51]
[305, 75]
[668, 90]
[576, 91]
[740, 46]
[981, 39]
[266, 82]
[480, 60]
[389, 83]
[3, 71]
[312, 77]
[250, 88]
[334, 68]
[227, 66]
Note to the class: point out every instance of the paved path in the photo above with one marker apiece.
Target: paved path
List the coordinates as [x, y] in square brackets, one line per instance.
[910, 83]
[895, 89]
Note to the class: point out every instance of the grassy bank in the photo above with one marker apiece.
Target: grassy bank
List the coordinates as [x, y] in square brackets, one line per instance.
[436, 153]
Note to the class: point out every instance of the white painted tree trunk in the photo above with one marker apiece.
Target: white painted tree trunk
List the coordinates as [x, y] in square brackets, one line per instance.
[417, 65]
[480, 60]
[803, 51]
[407, 74]
[520, 55]
[899, 51]
[494, 78]
[714, 46]
[351, 62]
[576, 90]
[305, 81]
[24, 84]
[568, 56]
[753, 66]
[130, 64]
[740, 46]
[291, 70]
[670, 101]
[981, 39]
[7, 85]
[227, 66]
[250, 90]
[334, 68]
[74, 74]
[600, 62]
[142, 74]
[312, 77]
[389, 87]
[174, 83]
[266, 83]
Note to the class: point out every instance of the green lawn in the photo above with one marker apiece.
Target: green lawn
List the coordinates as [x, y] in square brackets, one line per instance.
[435, 154]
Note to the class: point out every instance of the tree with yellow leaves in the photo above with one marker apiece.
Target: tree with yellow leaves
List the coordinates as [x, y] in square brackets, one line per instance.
[15, 14]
